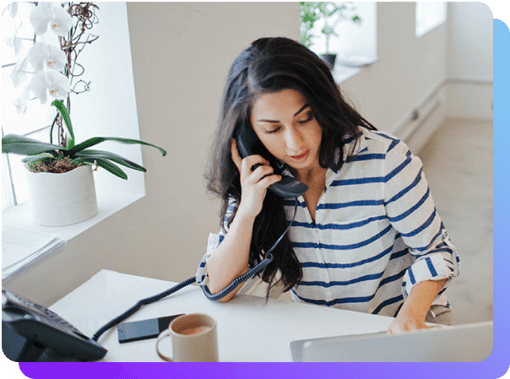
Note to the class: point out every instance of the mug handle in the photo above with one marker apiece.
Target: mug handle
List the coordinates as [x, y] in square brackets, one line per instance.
[164, 334]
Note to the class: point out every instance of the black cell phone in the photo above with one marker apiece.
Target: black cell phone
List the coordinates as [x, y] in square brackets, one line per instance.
[248, 144]
[144, 329]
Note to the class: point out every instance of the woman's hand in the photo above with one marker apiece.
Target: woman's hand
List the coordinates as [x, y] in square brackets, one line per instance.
[254, 183]
[415, 308]
[407, 321]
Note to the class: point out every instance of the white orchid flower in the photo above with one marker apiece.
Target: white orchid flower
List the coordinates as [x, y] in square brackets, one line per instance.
[12, 8]
[14, 41]
[19, 72]
[21, 102]
[49, 82]
[43, 56]
[50, 14]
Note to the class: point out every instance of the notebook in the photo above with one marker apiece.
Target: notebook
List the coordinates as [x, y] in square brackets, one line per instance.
[461, 343]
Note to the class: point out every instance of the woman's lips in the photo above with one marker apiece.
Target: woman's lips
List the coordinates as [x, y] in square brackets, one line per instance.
[301, 156]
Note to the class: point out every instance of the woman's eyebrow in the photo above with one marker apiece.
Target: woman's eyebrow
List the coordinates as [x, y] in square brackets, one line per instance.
[295, 114]
[301, 110]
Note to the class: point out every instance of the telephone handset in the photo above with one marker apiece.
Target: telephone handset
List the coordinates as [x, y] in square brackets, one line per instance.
[248, 144]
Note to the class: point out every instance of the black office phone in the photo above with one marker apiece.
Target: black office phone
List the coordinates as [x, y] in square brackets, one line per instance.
[29, 330]
[248, 144]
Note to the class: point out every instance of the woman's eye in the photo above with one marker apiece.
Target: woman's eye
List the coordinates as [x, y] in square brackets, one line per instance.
[308, 118]
[270, 131]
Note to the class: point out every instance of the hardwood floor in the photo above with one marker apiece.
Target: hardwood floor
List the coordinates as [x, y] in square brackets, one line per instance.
[458, 165]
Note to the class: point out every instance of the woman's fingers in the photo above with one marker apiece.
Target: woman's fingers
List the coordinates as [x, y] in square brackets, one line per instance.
[269, 179]
[255, 171]
[250, 163]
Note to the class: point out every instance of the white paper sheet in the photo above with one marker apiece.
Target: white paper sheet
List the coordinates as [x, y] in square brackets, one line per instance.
[21, 248]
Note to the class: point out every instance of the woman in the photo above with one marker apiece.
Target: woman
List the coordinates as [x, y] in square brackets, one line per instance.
[366, 236]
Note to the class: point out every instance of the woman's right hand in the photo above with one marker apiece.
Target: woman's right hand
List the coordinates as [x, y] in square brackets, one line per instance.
[254, 183]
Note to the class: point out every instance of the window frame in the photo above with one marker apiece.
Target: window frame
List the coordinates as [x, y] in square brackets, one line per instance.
[426, 20]
[14, 187]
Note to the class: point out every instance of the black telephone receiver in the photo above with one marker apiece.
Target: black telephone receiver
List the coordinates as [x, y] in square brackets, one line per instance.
[248, 144]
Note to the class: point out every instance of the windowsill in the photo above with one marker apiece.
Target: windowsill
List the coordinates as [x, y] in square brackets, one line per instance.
[108, 203]
[344, 71]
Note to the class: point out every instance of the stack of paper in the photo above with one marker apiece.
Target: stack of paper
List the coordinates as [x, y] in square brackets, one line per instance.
[21, 248]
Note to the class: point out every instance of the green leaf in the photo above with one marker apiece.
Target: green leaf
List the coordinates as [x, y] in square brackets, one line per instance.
[96, 140]
[38, 158]
[21, 145]
[108, 166]
[65, 115]
[111, 156]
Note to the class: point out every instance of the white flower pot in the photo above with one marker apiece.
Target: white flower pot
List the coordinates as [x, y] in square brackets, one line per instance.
[62, 199]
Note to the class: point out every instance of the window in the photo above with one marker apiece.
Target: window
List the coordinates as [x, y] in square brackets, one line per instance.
[354, 43]
[429, 15]
[18, 37]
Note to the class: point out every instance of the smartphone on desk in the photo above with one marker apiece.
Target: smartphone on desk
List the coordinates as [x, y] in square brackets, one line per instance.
[144, 329]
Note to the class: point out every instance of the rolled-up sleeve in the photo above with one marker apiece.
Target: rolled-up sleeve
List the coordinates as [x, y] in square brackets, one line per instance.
[213, 242]
[411, 211]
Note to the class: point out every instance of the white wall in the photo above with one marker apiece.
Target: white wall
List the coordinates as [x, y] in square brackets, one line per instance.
[470, 60]
[181, 56]
[181, 53]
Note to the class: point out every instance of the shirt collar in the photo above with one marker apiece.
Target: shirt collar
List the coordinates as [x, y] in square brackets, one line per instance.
[350, 148]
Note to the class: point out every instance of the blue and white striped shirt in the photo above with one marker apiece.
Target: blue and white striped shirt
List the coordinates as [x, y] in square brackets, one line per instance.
[376, 232]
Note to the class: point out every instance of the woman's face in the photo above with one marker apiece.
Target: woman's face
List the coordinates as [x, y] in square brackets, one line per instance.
[285, 124]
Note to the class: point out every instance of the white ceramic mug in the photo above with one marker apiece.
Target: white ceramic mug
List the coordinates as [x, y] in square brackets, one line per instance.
[194, 339]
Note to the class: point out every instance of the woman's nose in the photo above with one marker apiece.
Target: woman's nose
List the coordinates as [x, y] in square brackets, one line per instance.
[293, 140]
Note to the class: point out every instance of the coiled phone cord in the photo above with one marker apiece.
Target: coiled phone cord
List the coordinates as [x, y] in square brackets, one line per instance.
[268, 258]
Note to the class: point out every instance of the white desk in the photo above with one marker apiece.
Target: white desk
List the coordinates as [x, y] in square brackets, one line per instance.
[248, 328]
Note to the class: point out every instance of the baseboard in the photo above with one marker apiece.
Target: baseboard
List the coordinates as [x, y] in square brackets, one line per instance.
[423, 131]
[453, 98]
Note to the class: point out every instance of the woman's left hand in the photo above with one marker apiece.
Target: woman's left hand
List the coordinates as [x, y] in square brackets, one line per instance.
[415, 308]
[406, 321]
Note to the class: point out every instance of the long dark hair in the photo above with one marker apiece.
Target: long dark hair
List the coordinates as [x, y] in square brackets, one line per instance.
[270, 65]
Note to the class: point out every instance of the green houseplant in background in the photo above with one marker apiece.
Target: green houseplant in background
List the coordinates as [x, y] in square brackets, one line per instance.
[331, 14]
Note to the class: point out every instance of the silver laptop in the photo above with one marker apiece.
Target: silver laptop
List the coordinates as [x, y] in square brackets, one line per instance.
[461, 343]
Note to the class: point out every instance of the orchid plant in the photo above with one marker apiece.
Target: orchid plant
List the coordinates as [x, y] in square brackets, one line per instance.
[53, 69]
[47, 157]
[52, 62]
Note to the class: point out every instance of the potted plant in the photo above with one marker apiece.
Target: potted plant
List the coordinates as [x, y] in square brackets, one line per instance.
[60, 175]
[60, 178]
[309, 15]
[331, 14]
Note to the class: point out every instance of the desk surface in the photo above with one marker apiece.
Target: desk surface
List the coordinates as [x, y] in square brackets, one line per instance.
[249, 329]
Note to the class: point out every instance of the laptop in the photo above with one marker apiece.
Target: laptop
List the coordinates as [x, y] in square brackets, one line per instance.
[461, 343]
